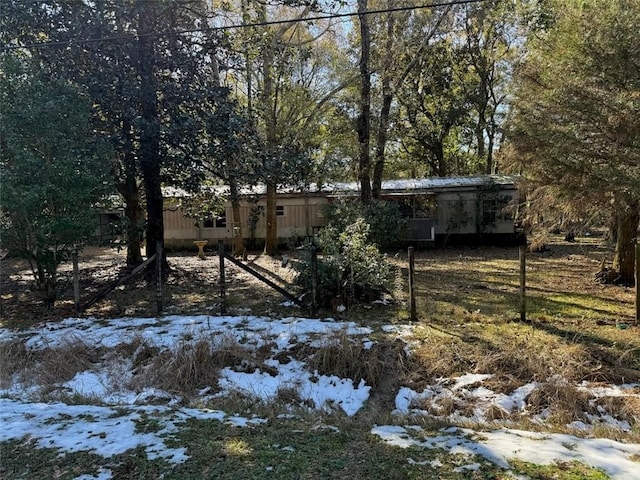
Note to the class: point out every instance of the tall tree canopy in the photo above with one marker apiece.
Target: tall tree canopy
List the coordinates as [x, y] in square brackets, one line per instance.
[285, 87]
[152, 80]
[438, 79]
[576, 118]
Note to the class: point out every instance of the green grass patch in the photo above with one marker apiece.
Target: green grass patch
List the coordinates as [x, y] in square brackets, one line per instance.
[23, 460]
[560, 471]
[298, 448]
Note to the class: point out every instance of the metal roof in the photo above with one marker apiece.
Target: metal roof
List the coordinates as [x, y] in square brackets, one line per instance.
[403, 186]
[389, 187]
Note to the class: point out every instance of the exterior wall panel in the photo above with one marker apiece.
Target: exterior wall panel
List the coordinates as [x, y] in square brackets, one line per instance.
[458, 206]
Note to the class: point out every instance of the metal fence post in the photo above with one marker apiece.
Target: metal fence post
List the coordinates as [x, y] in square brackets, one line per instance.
[314, 280]
[412, 293]
[159, 277]
[223, 293]
[523, 278]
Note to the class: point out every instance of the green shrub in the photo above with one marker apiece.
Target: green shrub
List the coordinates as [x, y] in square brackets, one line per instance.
[350, 267]
[386, 227]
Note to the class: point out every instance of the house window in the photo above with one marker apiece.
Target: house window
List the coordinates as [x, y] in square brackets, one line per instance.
[493, 211]
[280, 211]
[419, 207]
[219, 221]
[406, 208]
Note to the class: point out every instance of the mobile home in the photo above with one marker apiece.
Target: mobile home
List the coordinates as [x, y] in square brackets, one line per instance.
[470, 210]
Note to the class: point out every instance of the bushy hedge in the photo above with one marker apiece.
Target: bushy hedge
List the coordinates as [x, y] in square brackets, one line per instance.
[386, 227]
[350, 266]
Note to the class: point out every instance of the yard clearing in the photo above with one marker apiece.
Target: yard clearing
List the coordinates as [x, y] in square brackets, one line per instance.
[265, 392]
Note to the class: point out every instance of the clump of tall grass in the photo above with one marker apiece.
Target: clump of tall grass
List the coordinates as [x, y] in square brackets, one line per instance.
[15, 359]
[347, 357]
[46, 366]
[192, 365]
[560, 402]
[63, 362]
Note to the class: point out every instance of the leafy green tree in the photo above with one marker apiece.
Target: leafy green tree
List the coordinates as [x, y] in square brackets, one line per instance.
[576, 119]
[285, 94]
[52, 171]
[491, 32]
[150, 78]
[402, 39]
[436, 104]
[351, 267]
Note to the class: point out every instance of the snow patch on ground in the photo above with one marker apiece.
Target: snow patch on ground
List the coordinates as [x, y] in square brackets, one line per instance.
[112, 425]
[502, 445]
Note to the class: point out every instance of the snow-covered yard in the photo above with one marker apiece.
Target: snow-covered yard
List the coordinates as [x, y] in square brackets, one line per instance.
[101, 407]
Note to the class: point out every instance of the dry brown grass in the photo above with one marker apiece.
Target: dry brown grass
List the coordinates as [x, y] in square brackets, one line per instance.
[515, 359]
[46, 367]
[14, 359]
[624, 407]
[527, 362]
[287, 396]
[496, 413]
[182, 371]
[346, 357]
[228, 352]
[60, 364]
[440, 359]
[193, 365]
[561, 401]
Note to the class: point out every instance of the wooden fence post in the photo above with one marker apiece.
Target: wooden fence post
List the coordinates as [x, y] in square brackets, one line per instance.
[76, 281]
[223, 293]
[159, 277]
[523, 277]
[314, 280]
[412, 293]
[637, 282]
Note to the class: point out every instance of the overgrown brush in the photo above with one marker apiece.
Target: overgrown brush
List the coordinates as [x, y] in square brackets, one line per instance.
[623, 407]
[181, 371]
[346, 357]
[14, 359]
[63, 362]
[192, 365]
[47, 366]
[351, 267]
[228, 352]
[436, 359]
[518, 361]
[560, 401]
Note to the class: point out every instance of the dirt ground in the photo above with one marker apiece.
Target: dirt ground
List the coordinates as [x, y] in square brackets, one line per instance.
[193, 287]
[560, 282]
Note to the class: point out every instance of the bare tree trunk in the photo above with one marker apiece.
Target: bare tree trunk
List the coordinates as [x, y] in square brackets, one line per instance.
[271, 240]
[438, 151]
[381, 142]
[236, 232]
[269, 116]
[492, 166]
[383, 124]
[238, 237]
[388, 92]
[627, 218]
[364, 119]
[128, 189]
[481, 150]
[150, 160]
[135, 221]
[271, 237]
